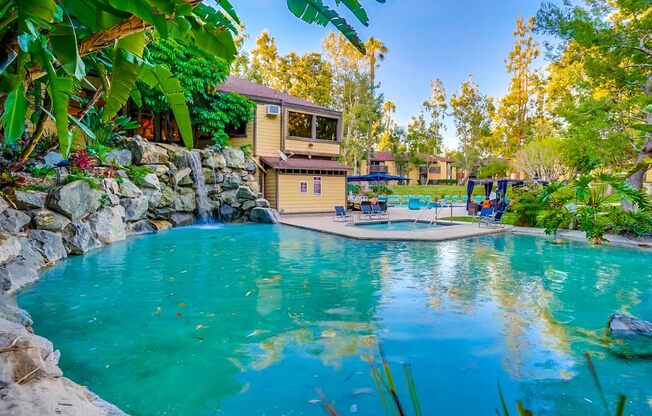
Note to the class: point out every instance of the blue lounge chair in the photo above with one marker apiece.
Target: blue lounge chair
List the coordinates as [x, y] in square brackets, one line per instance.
[464, 198]
[455, 199]
[341, 214]
[484, 213]
[428, 199]
[414, 203]
[492, 220]
[446, 198]
[478, 199]
[395, 199]
[378, 211]
[405, 199]
[365, 211]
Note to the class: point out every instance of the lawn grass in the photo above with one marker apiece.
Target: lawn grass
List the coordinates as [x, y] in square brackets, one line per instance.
[435, 190]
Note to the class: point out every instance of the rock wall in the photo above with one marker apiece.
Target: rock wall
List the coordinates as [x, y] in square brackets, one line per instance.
[40, 228]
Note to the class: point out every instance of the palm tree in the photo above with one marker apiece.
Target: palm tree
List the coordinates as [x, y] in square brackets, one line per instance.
[376, 51]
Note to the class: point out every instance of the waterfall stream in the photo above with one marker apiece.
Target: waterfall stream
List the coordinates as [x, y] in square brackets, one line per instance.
[204, 207]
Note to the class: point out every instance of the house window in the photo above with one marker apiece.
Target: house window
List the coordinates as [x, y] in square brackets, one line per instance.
[316, 185]
[299, 125]
[303, 187]
[240, 131]
[326, 128]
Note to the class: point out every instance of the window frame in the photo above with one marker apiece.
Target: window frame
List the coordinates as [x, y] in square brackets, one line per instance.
[313, 127]
[317, 180]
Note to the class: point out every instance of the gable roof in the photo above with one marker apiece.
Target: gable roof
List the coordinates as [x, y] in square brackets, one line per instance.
[262, 93]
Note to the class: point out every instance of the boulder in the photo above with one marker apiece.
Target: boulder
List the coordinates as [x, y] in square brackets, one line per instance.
[45, 219]
[264, 215]
[135, 208]
[632, 337]
[160, 170]
[185, 200]
[78, 238]
[628, 325]
[250, 165]
[12, 220]
[10, 311]
[175, 153]
[167, 197]
[232, 181]
[213, 190]
[129, 190]
[112, 198]
[234, 158]
[29, 199]
[214, 161]
[262, 203]
[255, 188]
[9, 247]
[212, 176]
[29, 253]
[75, 200]
[145, 153]
[16, 275]
[140, 227]
[182, 176]
[151, 181]
[161, 225]
[182, 218]
[108, 225]
[3, 204]
[49, 244]
[229, 214]
[120, 157]
[111, 186]
[229, 197]
[153, 197]
[244, 193]
[247, 205]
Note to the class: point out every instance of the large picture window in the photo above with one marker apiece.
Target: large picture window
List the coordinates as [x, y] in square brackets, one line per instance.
[310, 126]
[299, 125]
[326, 128]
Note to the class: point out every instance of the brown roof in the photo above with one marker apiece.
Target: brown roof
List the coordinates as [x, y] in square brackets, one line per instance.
[303, 163]
[254, 90]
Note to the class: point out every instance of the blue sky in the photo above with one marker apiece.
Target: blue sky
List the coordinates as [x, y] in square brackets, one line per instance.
[446, 39]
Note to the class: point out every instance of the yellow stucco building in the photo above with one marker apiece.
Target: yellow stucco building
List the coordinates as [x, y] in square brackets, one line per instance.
[433, 169]
[296, 144]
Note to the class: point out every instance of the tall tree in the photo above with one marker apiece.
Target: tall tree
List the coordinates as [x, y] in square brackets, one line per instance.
[435, 109]
[386, 125]
[376, 51]
[607, 48]
[517, 109]
[471, 113]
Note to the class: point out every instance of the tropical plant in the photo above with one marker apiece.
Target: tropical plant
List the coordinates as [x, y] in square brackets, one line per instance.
[50, 47]
[104, 131]
[137, 173]
[527, 205]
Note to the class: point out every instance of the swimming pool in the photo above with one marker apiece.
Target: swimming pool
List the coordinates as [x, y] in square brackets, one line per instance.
[252, 319]
[401, 225]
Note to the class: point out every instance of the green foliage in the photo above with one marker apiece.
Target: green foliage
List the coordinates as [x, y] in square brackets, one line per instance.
[199, 75]
[527, 205]
[246, 149]
[381, 189]
[41, 171]
[137, 173]
[637, 223]
[103, 130]
[494, 169]
[79, 175]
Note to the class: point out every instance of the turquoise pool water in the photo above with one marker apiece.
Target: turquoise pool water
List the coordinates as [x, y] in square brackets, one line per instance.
[400, 225]
[252, 319]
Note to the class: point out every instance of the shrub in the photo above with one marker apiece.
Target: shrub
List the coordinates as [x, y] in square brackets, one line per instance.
[638, 223]
[381, 189]
[527, 205]
[137, 173]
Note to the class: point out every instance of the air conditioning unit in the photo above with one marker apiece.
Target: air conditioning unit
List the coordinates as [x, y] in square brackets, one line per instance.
[272, 110]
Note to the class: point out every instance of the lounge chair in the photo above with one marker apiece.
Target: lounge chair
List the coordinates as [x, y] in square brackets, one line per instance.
[365, 210]
[341, 214]
[446, 198]
[383, 209]
[484, 213]
[455, 199]
[377, 210]
[414, 203]
[478, 199]
[428, 199]
[405, 199]
[464, 198]
[492, 220]
[396, 200]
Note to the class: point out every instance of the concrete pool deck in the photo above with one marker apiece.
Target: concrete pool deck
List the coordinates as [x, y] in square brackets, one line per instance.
[324, 223]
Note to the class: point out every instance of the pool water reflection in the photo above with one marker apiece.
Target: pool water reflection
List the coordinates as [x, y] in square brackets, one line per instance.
[252, 319]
